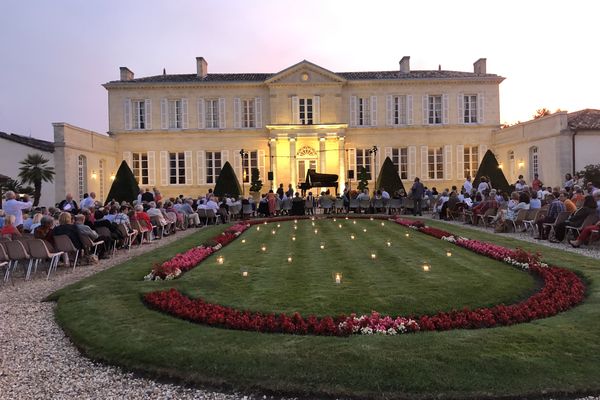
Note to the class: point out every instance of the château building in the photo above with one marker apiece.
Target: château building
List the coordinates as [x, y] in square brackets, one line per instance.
[177, 131]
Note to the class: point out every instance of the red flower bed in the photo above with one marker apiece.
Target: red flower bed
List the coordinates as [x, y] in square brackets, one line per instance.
[562, 290]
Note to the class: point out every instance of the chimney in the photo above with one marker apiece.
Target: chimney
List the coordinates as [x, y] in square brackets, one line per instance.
[201, 67]
[405, 65]
[126, 74]
[479, 66]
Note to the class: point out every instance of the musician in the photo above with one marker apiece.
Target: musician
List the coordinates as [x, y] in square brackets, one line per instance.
[280, 191]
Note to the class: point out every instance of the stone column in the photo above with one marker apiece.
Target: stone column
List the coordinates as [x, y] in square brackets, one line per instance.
[322, 155]
[342, 163]
[273, 161]
[293, 166]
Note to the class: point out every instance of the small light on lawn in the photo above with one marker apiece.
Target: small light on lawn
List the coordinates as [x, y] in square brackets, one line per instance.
[263, 248]
[426, 267]
[273, 231]
[258, 228]
[346, 218]
[365, 230]
[243, 240]
[220, 260]
[316, 231]
[312, 218]
[352, 237]
[371, 218]
[338, 277]
[313, 224]
[244, 273]
[448, 253]
[289, 259]
[295, 221]
[382, 223]
[334, 220]
[339, 225]
[264, 223]
[295, 227]
[322, 246]
[354, 222]
[279, 225]
[293, 238]
[407, 234]
[373, 255]
[388, 243]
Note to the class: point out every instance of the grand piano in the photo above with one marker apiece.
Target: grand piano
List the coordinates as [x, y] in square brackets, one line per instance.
[316, 180]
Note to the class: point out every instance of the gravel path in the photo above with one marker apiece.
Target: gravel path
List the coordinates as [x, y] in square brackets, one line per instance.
[37, 360]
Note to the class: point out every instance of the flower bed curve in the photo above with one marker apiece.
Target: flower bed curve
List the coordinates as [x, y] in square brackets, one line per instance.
[562, 290]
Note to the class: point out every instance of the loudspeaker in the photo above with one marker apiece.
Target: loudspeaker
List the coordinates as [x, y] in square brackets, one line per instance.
[350, 174]
[270, 175]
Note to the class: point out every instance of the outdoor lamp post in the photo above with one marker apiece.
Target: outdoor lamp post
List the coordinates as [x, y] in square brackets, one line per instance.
[244, 155]
[373, 151]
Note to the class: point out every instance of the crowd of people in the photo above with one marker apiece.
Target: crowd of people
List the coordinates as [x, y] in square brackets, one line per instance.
[151, 216]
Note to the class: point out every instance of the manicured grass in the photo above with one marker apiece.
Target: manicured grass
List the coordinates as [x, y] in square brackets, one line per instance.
[393, 283]
[107, 320]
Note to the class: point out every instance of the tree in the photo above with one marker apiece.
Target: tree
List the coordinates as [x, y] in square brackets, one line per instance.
[35, 170]
[491, 170]
[227, 182]
[124, 187]
[388, 177]
[363, 178]
[541, 112]
[591, 173]
[255, 182]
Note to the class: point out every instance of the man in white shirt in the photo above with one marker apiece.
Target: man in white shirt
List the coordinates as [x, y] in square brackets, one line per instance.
[384, 194]
[13, 207]
[468, 185]
[212, 204]
[89, 202]
[364, 195]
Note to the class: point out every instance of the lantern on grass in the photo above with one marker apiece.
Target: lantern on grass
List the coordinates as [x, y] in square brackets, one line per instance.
[373, 255]
[289, 259]
[244, 271]
[322, 246]
[316, 231]
[295, 227]
[313, 224]
[388, 243]
[258, 228]
[334, 219]
[354, 222]
[371, 218]
[265, 222]
[407, 234]
[337, 277]
[220, 260]
[339, 225]
[273, 231]
[293, 238]
[426, 266]
[243, 241]
[263, 248]
[346, 218]
[295, 221]
[382, 223]
[279, 225]
[448, 253]
[352, 237]
[365, 230]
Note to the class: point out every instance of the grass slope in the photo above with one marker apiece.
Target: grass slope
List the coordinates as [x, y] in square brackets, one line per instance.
[106, 319]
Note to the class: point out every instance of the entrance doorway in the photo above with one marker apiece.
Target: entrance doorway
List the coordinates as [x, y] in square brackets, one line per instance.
[304, 164]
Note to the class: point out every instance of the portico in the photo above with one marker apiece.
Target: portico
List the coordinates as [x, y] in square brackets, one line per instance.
[294, 149]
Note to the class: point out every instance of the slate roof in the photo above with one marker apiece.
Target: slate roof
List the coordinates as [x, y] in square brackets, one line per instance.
[588, 119]
[39, 144]
[351, 76]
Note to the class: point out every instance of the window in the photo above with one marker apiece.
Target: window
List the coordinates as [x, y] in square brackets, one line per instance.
[305, 107]
[434, 109]
[399, 114]
[140, 167]
[436, 163]
[174, 111]
[177, 168]
[534, 161]
[363, 159]
[101, 166]
[471, 161]
[470, 109]
[212, 113]
[81, 175]
[213, 166]
[364, 111]
[139, 114]
[249, 162]
[400, 160]
[248, 118]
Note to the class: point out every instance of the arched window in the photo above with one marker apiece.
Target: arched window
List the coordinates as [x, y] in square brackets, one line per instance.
[534, 162]
[81, 175]
[101, 177]
[511, 165]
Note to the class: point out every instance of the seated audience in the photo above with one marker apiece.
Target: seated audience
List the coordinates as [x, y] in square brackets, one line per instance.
[576, 219]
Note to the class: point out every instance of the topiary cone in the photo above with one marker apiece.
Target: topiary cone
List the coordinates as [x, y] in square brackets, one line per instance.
[124, 187]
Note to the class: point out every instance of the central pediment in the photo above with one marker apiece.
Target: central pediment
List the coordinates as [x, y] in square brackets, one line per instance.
[305, 72]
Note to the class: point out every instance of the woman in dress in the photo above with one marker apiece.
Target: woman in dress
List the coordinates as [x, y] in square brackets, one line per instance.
[271, 201]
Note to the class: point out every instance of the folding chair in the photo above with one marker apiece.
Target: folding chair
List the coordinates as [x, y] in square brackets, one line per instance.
[88, 243]
[395, 206]
[104, 231]
[63, 243]
[39, 252]
[17, 252]
[529, 220]
[562, 217]
[247, 210]
[129, 236]
[518, 221]
[590, 220]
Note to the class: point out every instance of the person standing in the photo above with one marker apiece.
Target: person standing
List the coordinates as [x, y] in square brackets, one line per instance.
[417, 192]
[468, 185]
[13, 207]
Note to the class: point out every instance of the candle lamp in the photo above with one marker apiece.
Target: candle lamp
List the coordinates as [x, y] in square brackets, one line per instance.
[354, 222]
[263, 248]
[279, 225]
[448, 253]
[313, 224]
[258, 228]
[373, 255]
[426, 267]
[334, 219]
[382, 223]
[312, 218]
[293, 238]
[337, 276]
[388, 243]
[322, 246]
[220, 260]
[243, 241]
[316, 231]
[346, 218]
[352, 237]
[295, 221]
[371, 218]
[365, 230]
[339, 225]
[407, 234]
[245, 273]
[295, 227]
[264, 223]
[289, 259]
[273, 231]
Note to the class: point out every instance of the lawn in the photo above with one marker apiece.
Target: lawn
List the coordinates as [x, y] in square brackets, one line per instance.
[106, 319]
